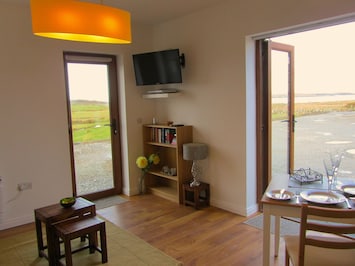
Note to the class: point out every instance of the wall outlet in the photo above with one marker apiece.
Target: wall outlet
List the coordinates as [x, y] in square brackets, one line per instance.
[24, 186]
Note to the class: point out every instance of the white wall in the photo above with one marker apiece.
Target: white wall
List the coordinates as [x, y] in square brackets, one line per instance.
[34, 141]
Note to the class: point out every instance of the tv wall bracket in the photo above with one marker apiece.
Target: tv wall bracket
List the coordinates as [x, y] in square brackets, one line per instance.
[182, 60]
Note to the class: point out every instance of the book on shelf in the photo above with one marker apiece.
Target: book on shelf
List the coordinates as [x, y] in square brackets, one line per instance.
[163, 135]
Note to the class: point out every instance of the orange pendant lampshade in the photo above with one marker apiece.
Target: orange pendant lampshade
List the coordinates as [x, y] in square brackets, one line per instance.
[80, 21]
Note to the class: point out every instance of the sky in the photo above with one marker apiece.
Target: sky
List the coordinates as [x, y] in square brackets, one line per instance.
[324, 63]
[88, 82]
[324, 59]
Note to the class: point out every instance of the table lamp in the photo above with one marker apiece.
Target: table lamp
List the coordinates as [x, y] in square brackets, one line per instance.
[195, 152]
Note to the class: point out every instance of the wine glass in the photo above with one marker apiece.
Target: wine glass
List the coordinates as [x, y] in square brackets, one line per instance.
[335, 160]
[329, 170]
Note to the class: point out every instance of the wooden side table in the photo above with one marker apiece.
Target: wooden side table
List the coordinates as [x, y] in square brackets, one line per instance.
[53, 214]
[196, 196]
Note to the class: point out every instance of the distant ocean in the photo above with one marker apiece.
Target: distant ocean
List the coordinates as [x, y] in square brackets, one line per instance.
[319, 97]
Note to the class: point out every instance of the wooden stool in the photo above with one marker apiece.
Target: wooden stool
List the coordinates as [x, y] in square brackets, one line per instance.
[78, 228]
[194, 195]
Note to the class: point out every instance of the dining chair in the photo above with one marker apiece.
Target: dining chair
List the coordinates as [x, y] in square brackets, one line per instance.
[322, 243]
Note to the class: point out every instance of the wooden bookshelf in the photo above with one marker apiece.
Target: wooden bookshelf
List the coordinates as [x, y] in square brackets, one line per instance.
[167, 141]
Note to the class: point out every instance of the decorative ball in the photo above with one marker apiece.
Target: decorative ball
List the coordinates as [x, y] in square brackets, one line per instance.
[67, 202]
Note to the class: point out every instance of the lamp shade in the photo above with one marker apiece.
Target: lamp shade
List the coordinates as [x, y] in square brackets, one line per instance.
[80, 21]
[194, 151]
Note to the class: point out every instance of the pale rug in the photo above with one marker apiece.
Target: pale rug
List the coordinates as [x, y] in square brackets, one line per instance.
[108, 202]
[124, 248]
[287, 227]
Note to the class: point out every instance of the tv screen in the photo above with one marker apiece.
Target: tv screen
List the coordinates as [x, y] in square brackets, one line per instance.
[154, 68]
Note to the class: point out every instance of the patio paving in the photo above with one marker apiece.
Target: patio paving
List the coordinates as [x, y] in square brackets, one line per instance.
[316, 137]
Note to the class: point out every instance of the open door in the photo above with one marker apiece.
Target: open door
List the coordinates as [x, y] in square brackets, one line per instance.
[283, 122]
[274, 140]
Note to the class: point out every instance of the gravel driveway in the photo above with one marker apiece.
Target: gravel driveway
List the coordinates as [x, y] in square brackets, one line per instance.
[93, 164]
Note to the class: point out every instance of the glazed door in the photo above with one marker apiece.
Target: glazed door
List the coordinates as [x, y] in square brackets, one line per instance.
[93, 124]
[282, 107]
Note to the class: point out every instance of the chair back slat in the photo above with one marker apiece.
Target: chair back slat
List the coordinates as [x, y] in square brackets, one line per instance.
[330, 244]
[312, 221]
[331, 228]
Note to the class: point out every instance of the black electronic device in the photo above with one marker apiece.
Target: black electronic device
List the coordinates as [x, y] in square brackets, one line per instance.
[161, 67]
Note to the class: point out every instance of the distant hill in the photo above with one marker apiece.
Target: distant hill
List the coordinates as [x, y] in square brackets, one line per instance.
[314, 94]
[87, 102]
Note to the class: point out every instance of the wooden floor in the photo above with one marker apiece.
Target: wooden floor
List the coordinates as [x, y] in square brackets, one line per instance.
[209, 236]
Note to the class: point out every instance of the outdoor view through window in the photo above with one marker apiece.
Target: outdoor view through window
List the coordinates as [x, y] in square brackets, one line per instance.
[91, 132]
[324, 102]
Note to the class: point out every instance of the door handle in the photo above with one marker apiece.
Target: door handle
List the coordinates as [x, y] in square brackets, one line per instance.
[293, 122]
[284, 121]
[114, 126]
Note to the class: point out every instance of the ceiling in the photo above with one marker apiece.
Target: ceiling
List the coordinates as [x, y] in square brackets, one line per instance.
[158, 11]
[151, 11]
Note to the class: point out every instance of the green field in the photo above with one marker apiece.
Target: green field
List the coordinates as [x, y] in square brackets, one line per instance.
[90, 121]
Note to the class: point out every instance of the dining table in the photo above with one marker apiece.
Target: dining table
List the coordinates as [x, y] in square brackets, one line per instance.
[284, 197]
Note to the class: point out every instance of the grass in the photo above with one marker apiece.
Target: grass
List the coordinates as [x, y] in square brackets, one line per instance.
[280, 112]
[90, 121]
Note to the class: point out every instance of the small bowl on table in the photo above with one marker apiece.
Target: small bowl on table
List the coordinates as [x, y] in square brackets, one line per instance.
[67, 202]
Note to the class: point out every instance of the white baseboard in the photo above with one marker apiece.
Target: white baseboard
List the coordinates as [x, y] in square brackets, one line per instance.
[228, 207]
[130, 192]
[252, 209]
[235, 209]
[16, 222]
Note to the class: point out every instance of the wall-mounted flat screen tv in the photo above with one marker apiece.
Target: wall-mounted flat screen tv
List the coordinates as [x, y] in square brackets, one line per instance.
[162, 67]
